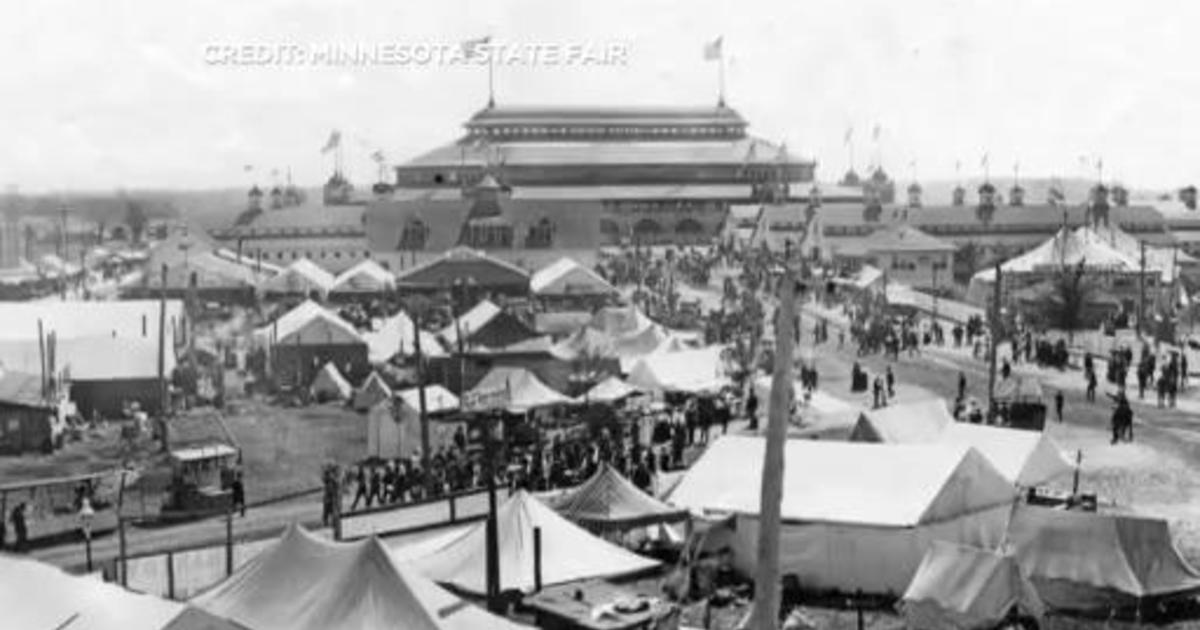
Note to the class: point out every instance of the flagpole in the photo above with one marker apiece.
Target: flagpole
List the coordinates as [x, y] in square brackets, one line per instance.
[721, 79]
[491, 81]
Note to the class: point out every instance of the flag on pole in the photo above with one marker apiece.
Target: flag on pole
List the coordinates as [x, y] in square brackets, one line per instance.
[984, 161]
[471, 47]
[377, 156]
[875, 133]
[334, 141]
[849, 136]
[714, 49]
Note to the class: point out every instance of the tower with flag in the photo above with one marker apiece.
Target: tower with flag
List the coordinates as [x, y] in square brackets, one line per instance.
[715, 51]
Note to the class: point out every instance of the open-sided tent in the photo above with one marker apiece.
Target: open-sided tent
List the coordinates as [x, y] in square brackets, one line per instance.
[607, 501]
[366, 278]
[521, 390]
[390, 429]
[610, 390]
[690, 371]
[855, 515]
[569, 553]
[38, 595]
[966, 588]
[916, 422]
[373, 391]
[329, 384]
[302, 277]
[1087, 561]
[567, 278]
[302, 582]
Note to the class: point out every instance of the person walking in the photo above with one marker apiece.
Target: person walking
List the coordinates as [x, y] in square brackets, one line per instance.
[237, 490]
[360, 492]
[1091, 386]
[962, 385]
[20, 528]
[1058, 404]
[891, 383]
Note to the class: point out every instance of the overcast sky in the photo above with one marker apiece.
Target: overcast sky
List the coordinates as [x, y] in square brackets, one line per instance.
[99, 95]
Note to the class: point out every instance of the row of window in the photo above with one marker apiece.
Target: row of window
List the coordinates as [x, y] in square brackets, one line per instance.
[516, 131]
[336, 254]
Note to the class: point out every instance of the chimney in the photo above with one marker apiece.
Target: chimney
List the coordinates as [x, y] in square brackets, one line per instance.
[1187, 195]
[914, 195]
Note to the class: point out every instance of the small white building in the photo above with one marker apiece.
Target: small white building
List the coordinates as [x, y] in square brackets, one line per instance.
[907, 255]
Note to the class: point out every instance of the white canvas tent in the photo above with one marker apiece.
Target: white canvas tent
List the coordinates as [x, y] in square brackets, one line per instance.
[569, 553]
[309, 323]
[856, 516]
[566, 277]
[692, 371]
[396, 335]
[302, 277]
[329, 384]
[373, 391]
[1025, 458]
[610, 390]
[966, 588]
[391, 429]
[916, 422]
[367, 276]
[38, 595]
[305, 583]
[520, 389]
[470, 322]
[1087, 561]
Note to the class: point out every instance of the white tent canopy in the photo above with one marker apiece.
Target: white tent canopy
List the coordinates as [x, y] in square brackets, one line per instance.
[856, 516]
[569, 552]
[305, 583]
[566, 277]
[470, 322]
[610, 390]
[367, 276]
[387, 432]
[330, 383]
[397, 335]
[309, 322]
[301, 277]
[520, 389]
[915, 422]
[694, 371]
[373, 391]
[966, 588]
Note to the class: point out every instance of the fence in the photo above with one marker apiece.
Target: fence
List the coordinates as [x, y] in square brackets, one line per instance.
[184, 572]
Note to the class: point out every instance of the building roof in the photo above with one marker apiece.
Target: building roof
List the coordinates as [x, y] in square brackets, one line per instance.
[733, 151]
[123, 319]
[310, 323]
[309, 219]
[883, 485]
[302, 276]
[464, 263]
[21, 388]
[903, 238]
[587, 115]
[470, 322]
[567, 277]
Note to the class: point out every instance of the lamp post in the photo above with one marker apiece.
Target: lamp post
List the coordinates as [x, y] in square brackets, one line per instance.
[86, 515]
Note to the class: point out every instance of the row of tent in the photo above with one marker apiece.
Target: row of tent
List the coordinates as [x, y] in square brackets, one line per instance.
[861, 516]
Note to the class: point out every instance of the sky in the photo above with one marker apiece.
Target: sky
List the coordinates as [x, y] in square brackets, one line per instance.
[125, 94]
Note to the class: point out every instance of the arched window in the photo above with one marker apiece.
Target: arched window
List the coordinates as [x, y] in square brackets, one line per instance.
[689, 227]
[609, 227]
[647, 227]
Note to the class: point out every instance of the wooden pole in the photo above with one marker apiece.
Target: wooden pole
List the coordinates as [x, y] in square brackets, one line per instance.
[537, 559]
[492, 547]
[422, 409]
[766, 587]
[42, 356]
[170, 575]
[122, 551]
[993, 342]
[1141, 290]
[162, 357]
[229, 539]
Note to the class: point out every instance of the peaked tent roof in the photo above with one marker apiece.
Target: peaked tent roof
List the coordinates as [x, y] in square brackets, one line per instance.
[1027, 458]
[367, 276]
[588, 341]
[915, 422]
[395, 335]
[608, 500]
[884, 485]
[301, 582]
[329, 381]
[302, 276]
[567, 277]
[1107, 248]
[310, 324]
[39, 595]
[464, 262]
[569, 553]
[699, 370]
[471, 321]
[966, 587]
[1078, 559]
[373, 391]
[438, 399]
[620, 320]
[521, 389]
[610, 390]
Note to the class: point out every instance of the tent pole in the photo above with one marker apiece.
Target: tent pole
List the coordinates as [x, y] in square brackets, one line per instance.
[423, 413]
[537, 559]
[493, 543]
[163, 393]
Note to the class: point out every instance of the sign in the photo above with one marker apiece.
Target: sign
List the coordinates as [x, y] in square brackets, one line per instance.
[487, 400]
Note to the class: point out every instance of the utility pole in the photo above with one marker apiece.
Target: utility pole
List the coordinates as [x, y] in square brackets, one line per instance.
[163, 396]
[766, 587]
[1141, 289]
[993, 342]
[492, 531]
[423, 414]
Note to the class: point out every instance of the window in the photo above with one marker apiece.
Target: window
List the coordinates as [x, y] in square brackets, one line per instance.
[337, 254]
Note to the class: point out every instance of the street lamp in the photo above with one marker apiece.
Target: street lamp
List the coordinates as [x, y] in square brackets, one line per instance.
[86, 515]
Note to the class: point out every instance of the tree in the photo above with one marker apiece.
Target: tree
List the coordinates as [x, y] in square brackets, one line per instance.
[135, 218]
[967, 260]
[1069, 294]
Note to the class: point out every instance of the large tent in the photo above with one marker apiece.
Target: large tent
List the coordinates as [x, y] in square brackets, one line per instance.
[308, 336]
[396, 335]
[689, 371]
[856, 516]
[610, 390]
[329, 384]
[38, 595]
[569, 553]
[567, 278]
[365, 278]
[1098, 562]
[906, 423]
[608, 501]
[1025, 458]
[373, 391]
[966, 588]
[302, 277]
[302, 582]
[520, 389]
[620, 320]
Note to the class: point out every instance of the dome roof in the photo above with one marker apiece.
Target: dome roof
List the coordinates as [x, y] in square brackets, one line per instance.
[276, 191]
[255, 191]
[987, 187]
[879, 175]
[850, 177]
[381, 187]
[914, 187]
